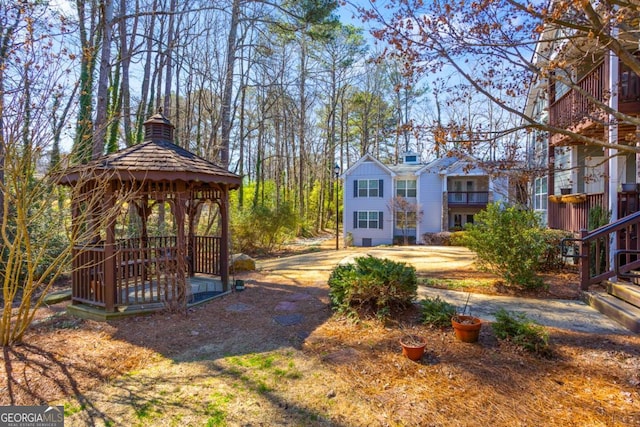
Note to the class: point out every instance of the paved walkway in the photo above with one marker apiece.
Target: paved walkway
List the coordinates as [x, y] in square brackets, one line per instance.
[565, 314]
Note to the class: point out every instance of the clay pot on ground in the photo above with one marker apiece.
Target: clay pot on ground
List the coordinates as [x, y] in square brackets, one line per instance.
[413, 347]
[467, 328]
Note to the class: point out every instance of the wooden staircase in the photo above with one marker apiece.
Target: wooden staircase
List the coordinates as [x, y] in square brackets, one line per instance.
[621, 303]
[620, 272]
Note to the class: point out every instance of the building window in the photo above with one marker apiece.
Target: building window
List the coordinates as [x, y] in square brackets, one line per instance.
[557, 88]
[406, 188]
[540, 195]
[405, 220]
[367, 219]
[368, 188]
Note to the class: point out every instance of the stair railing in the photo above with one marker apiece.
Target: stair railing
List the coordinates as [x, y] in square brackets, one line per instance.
[594, 248]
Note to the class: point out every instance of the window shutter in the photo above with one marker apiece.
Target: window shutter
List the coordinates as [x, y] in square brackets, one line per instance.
[355, 219]
[381, 188]
[355, 188]
[380, 220]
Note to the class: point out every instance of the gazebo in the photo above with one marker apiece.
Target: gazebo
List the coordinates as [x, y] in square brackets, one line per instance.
[142, 247]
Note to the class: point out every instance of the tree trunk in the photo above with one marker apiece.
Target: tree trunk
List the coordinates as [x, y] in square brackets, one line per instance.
[82, 148]
[142, 111]
[102, 104]
[225, 108]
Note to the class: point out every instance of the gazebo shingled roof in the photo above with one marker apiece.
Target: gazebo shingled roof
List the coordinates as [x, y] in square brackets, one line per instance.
[154, 160]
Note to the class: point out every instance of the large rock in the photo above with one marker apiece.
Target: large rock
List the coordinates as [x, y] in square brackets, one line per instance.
[242, 262]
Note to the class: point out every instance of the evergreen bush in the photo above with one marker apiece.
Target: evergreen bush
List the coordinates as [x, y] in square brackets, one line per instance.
[523, 332]
[437, 312]
[372, 285]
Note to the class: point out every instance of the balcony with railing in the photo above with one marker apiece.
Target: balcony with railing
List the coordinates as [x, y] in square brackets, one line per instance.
[468, 198]
[577, 111]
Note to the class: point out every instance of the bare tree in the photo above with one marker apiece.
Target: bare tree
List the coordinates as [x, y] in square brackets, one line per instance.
[493, 46]
[407, 215]
[33, 253]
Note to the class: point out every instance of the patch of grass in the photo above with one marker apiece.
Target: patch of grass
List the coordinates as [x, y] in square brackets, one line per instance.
[256, 361]
[145, 411]
[262, 372]
[216, 409]
[216, 420]
[220, 399]
[262, 387]
[177, 421]
[290, 373]
[70, 409]
[523, 332]
[437, 312]
[456, 284]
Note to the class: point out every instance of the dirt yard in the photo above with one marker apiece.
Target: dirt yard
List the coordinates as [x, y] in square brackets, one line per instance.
[274, 355]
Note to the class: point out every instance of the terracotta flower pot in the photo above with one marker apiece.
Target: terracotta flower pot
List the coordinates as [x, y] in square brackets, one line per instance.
[467, 328]
[413, 347]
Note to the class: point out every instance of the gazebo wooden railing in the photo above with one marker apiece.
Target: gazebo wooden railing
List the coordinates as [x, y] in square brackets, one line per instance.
[145, 272]
[205, 257]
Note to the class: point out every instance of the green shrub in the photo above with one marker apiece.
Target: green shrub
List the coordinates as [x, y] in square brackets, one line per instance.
[261, 229]
[348, 241]
[518, 329]
[437, 312]
[598, 216]
[372, 286]
[457, 238]
[508, 241]
[551, 258]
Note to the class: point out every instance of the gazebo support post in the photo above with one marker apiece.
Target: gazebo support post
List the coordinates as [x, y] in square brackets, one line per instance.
[191, 239]
[224, 238]
[109, 255]
[179, 213]
[143, 214]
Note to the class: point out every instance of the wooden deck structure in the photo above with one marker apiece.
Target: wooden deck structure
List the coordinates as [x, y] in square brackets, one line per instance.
[122, 267]
[575, 111]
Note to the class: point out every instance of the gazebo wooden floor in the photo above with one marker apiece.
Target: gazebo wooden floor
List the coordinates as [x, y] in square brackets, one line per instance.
[201, 288]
